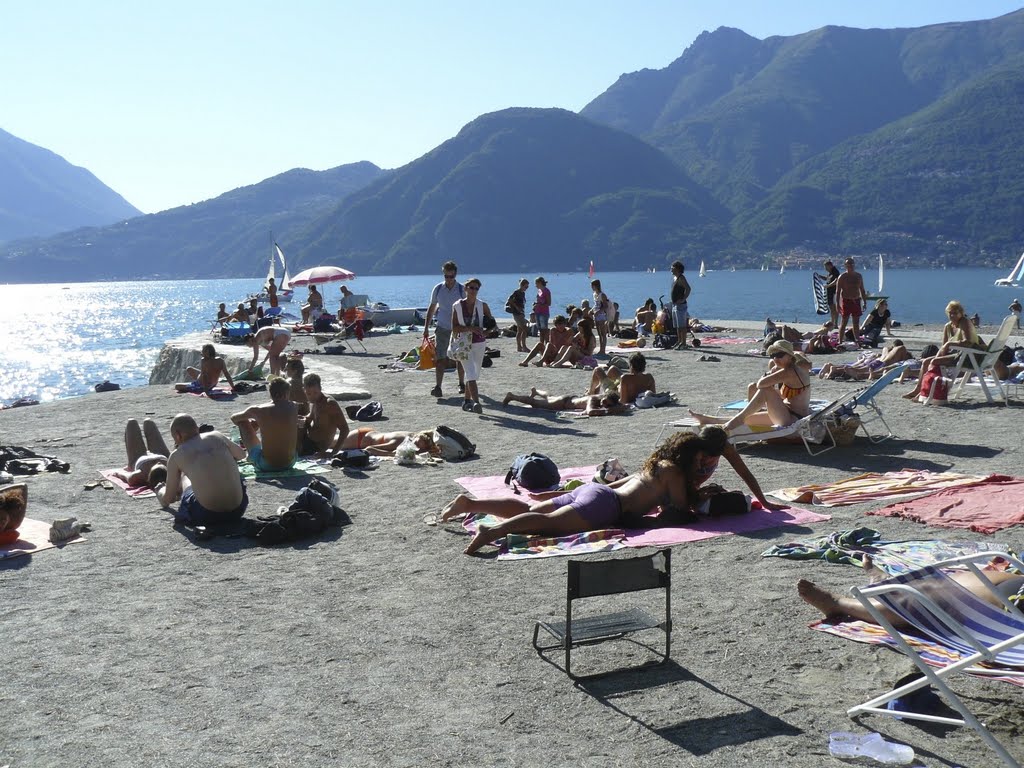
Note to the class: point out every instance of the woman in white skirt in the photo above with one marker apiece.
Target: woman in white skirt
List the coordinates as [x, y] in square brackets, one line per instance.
[468, 318]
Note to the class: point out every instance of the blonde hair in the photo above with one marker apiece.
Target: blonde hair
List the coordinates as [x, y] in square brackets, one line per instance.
[955, 305]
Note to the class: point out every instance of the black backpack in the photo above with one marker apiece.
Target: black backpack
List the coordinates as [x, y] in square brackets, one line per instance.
[534, 472]
[309, 515]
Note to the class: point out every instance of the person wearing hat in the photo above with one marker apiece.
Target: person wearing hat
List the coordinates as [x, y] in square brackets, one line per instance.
[779, 398]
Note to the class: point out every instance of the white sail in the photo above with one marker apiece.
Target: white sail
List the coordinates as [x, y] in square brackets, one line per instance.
[881, 276]
[703, 271]
[286, 279]
[1016, 274]
[271, 274]
[782, 269]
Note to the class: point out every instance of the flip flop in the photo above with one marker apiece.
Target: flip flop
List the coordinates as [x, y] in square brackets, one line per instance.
[91, 484]
[107, 485]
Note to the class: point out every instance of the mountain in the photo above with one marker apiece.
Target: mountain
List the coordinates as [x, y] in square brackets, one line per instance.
[523, 188]
[771, 127]
[223, 237]
[42, 193]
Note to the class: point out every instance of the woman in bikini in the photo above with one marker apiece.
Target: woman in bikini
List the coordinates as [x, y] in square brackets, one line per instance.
[385, 443]
[274, 340]
[960, 332]
[665, 480]
[592, 405]
[779, 398]
[581, 351]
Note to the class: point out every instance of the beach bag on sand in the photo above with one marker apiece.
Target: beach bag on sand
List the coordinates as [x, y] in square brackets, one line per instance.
[452, 444]
[534, 472]
[648, 399]
[610, 471]
[309, 515]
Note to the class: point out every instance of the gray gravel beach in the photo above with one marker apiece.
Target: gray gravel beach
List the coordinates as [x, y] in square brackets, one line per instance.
[383, 644]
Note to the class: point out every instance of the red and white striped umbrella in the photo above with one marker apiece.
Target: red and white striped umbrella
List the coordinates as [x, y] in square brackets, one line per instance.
[317, 275]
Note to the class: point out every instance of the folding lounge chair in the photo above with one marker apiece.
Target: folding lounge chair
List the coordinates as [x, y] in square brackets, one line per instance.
[866, 398]
[949, 614]
[975, 362]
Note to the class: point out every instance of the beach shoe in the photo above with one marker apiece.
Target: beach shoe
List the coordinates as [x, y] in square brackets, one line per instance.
[467, 405]
[477, 408]
[462, 388]
[436, 392]
[91, 484]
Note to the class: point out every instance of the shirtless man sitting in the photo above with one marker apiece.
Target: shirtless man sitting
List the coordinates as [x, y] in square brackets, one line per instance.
[591, 405]
[608, 377]
[559, 337]
[295, 369]
[322, 433]
[270, 431]
[207, 375]
[203, 472]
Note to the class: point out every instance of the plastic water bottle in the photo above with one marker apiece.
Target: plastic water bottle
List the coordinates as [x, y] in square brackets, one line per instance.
[869, 749]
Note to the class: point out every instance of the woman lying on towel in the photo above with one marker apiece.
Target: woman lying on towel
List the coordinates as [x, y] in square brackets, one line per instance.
[386, 443]
[591, 405]
[1007, 583]
[779, 398]
[666, 480]
[147, 455]
[869, 365]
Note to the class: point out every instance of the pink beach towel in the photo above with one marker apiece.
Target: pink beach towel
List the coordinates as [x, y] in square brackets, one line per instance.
[986, 508]
[142, 492]
[33, 536]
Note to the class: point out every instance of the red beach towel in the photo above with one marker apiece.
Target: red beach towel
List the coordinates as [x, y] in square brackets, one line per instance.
[986, 508]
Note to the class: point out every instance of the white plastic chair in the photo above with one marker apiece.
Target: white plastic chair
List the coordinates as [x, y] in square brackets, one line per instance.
[975, 362]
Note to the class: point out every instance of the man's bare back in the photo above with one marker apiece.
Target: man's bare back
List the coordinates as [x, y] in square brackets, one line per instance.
[632, 384]
[210, 463]
[278, 425]
[210, 371]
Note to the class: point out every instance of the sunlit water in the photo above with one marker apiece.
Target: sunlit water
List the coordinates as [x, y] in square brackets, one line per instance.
[60, 340]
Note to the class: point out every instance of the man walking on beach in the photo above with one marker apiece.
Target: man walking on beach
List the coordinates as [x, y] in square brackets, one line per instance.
[680, 311]
[270, 431]
[853, 298]
[203, 471]
[325, 429]
[442, 298]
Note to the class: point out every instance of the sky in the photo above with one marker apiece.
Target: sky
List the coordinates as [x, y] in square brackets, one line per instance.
[171, 103]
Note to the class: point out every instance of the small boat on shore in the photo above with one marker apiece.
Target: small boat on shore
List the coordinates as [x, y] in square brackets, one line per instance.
[381, 314]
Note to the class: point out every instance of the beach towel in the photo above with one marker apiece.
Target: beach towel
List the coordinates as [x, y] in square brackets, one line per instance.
[933, 653]
[816, 404]
[872, 486]
[986, 508]
[301, 468]
[141, 492]
[717, 341]
[820, 293]
[895, 558]
[33, 536]
[517, 547]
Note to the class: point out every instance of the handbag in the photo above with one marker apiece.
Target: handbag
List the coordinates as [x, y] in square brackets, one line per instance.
[460, 346]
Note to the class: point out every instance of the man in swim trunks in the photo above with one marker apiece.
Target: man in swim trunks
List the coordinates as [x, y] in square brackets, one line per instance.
[270, 431]
[322, 433]
[631, 384]
[853, 298]
[203, 471]
[207, 375]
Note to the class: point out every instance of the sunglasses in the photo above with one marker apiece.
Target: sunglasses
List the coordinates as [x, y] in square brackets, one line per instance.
[449, 276]
[776, 355]
[472, 287]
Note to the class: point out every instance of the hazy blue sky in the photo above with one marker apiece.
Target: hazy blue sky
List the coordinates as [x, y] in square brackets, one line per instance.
[174, 102]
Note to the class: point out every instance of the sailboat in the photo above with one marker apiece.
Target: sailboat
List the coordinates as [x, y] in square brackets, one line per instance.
[284, 289]
[782, 269]
[1016, 274]
[703, 270]
[881, 281]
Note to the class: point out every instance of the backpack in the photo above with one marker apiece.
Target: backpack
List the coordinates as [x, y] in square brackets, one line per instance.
[510, 304]
[534, 472]
[310, 514]
[453, 445]
[372, 411]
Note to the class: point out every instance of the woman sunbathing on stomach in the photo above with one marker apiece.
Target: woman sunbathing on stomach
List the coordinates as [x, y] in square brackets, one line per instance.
[666, 480]
[779, 398]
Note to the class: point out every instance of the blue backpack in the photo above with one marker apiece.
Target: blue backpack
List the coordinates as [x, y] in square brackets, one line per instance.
[534, 472]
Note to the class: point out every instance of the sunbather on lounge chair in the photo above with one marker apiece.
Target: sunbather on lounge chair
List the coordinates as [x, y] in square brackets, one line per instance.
[1009, 584]
[959, 331]
[591, 405]
[207, 375]
[666, 480]
[147, 455]
[869, 365]
[778, 399]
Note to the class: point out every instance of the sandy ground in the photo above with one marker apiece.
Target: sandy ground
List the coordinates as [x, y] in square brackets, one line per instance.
[385, 645]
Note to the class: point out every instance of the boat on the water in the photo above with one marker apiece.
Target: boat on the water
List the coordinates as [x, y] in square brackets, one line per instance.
[703, 270]
[881, 281]
[284, 289]
[1016, 274]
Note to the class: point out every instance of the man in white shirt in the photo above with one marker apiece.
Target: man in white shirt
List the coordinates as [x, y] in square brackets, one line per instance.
[442, 299]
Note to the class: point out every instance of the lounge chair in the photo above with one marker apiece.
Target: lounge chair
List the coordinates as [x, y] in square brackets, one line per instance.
[947, 613]
[976, 362]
